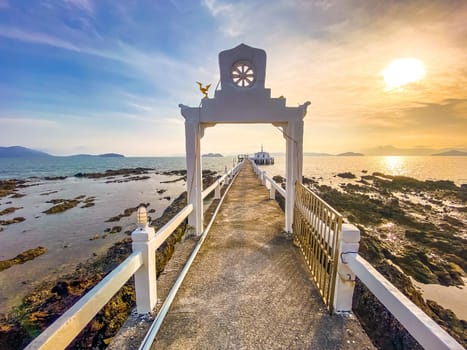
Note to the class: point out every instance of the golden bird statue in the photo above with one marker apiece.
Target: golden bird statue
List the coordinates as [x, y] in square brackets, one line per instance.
[204, 90]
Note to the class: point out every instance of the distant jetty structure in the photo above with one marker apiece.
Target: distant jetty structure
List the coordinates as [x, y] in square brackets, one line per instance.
[265, 275]
[263, 158]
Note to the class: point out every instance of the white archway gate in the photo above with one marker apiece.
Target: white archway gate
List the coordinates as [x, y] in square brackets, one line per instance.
[242, 98]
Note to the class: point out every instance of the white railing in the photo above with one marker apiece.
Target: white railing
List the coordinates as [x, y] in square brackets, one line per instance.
[266, 179]
[141, 263]
[426, 331]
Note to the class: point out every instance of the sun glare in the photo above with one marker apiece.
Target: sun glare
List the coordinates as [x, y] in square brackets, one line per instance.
[393, 164]
[403, 71]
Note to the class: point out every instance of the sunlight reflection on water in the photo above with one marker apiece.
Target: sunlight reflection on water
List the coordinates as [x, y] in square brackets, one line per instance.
[421, 168]
[394, 164]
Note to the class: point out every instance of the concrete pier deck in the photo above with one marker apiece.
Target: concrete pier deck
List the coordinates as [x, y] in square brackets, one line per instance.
[249, 288]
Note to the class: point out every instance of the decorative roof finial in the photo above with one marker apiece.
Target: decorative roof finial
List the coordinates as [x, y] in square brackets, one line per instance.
[261, 148]
[204, 90]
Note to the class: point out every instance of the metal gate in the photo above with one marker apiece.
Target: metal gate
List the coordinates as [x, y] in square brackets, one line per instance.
[317, 229]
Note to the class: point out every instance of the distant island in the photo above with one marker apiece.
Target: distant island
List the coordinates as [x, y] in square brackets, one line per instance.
[316, 154]
[24, 152]
[213, 155]
[111, 155]
[350, 154]
[18, 151]
[345, 154]
[451, 153]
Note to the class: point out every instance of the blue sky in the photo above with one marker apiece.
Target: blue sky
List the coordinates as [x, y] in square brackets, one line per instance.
[89, 76]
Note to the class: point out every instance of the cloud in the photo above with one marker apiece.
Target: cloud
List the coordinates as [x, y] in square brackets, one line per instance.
[85, 5]
[232, 17]
[36, 38]
[450, 113]
[141, 107]
[217, 8]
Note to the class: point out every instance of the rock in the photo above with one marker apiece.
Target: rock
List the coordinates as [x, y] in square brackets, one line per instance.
[9, 210]
[62, 205]
[12, 221]
[347, 175]
[48, 178]
[115, 229]
[61, 288]
[109, 173]
[25, 256]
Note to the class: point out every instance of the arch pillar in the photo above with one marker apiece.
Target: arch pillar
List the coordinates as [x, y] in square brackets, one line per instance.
[193, 133]
[293, 134]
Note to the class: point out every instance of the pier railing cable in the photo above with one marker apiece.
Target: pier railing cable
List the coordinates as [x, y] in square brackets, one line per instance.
[141, 264]
[315, 227]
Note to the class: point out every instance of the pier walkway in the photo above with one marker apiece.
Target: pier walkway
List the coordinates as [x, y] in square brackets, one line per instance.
[249, 288]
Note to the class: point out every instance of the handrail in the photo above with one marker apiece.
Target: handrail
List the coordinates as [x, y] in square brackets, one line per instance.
[426, 331]
[60, 333]
[266, 177]
[276, 186]
[166, 230]
[67, 327]
[211, 188]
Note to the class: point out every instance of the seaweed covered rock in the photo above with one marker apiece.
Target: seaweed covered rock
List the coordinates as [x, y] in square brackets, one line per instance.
[25, 256]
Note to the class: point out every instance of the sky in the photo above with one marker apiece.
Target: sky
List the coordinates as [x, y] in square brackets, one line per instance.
[95, 76]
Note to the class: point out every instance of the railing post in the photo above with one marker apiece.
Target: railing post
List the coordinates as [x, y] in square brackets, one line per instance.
[227, 177]
[145, 277]
[272, 192]
[217, 191]
[345, 278]
[263, 178]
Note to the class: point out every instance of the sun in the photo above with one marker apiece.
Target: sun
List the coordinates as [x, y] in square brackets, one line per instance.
[403, 71]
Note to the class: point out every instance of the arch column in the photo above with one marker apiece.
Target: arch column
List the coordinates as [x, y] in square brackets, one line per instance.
[193, 135]
[293, 134]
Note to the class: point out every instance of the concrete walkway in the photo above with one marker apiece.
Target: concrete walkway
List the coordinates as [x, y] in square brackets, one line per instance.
[248, 288]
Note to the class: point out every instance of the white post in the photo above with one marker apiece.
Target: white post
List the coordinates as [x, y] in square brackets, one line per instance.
[345, 278]
[145, 277]
[193, 135]
[294, 166]
[263, 177]
[217, 191]
[272, 192]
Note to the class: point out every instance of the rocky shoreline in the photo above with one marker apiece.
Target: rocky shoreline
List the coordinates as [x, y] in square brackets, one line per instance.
[408, 228]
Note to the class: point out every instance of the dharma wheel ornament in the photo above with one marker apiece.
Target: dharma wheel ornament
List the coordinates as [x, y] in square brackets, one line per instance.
[243, 74]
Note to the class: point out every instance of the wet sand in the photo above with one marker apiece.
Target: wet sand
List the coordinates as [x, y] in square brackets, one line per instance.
[453, 298]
